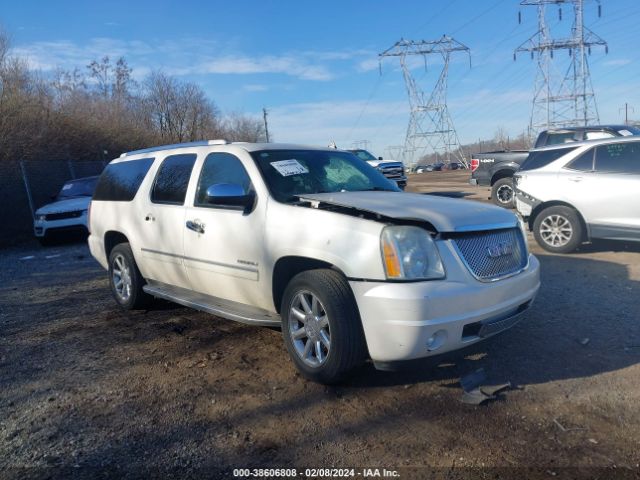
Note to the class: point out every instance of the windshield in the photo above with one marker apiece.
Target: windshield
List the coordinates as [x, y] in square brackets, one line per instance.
[363, 155]
[78, 188]
[292, 173]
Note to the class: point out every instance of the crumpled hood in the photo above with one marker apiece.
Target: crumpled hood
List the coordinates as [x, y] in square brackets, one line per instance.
[70, 205]
[445, 214]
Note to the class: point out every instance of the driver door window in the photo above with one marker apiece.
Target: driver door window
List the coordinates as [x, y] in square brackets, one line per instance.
[220, 168]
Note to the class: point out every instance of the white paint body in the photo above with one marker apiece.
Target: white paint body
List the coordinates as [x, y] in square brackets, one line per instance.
[234, 259]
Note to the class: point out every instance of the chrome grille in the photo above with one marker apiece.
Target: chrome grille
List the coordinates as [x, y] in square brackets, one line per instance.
[391, 169]
[493, 254]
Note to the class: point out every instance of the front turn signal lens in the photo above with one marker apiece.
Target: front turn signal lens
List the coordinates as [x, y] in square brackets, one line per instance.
[391, 260]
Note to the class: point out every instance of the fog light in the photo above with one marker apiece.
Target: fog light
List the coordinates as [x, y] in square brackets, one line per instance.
[436, 340]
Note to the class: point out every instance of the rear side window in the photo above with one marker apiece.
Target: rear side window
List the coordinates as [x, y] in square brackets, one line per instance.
[221, 168]
[544, 158]
[172, 179]
[618, 158]
[120, 181]
[584, 162]
[564, 137]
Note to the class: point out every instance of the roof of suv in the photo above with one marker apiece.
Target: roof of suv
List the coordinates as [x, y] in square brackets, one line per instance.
[249, 147]
[597, 141]
[588, 128]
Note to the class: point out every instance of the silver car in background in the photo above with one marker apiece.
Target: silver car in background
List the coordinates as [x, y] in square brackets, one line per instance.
[572, 193]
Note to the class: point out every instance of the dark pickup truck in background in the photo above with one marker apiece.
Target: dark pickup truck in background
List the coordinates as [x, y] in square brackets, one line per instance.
[496, 169]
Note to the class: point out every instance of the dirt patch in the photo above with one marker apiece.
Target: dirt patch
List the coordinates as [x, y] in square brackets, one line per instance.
[87, 388]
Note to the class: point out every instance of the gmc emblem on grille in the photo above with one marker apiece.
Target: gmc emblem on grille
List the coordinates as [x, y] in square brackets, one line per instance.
[499, 250]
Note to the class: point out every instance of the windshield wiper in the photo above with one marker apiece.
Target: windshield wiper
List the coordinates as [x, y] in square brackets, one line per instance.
[375, 189]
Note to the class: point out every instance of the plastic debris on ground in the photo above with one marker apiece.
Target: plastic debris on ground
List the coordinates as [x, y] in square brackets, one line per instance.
[475, 393]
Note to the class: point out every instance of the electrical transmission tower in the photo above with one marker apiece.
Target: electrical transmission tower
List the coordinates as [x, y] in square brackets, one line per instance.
[562, 100]
[430, 125]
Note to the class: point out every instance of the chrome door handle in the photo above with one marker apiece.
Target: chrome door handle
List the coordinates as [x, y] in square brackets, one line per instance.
[575, 179]
[149, 217]
[195, 226]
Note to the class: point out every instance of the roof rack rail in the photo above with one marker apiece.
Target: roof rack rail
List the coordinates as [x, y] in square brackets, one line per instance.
[200, 143]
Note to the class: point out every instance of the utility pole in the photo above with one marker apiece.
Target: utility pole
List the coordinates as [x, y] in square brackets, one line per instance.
[626, 112]
[266, 125]
[562, 100]
[430, 125]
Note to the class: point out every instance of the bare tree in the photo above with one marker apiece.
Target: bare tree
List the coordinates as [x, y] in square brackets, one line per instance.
[178, 111]
[242, 128]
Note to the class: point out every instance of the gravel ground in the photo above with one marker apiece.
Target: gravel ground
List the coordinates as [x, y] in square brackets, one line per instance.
[87, 390]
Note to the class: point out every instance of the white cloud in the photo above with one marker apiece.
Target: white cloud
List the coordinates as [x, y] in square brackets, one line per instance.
[368, 65]
[256, 88]
[187, 56]
[619, 62]
[384, 123]
[270, 64]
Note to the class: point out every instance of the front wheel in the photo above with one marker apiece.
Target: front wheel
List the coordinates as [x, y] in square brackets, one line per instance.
[558, 229]
[321, 326]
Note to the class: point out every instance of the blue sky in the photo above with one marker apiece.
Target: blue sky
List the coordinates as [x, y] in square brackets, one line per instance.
[314, 65]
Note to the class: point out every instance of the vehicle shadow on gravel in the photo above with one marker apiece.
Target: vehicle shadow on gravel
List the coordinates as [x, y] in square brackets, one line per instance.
[585, 321]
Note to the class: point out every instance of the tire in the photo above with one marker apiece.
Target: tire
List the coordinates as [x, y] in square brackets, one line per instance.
[45, 241]
[125, 279]
[324, 336]
[558, 229]
[502, 193]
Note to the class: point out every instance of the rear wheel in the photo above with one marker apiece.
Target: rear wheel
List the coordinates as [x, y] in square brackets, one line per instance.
[502, 193]
[125, 279]
[321, 325]
[558, 229]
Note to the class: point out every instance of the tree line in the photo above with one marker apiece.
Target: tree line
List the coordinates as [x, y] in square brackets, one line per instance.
[97, 111]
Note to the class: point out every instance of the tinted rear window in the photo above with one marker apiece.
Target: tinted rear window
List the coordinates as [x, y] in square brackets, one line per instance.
[544, 158]
[172, 179]
[120, 181]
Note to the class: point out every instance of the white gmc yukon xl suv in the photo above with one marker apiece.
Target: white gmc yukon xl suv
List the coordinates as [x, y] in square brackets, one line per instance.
[312, 240]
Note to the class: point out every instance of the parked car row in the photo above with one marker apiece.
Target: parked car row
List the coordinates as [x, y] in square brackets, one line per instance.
[437, 167]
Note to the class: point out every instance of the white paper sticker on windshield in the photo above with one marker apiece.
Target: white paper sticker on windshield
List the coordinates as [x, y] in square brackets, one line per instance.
[625, 133]
[286, 168]
[67, 186]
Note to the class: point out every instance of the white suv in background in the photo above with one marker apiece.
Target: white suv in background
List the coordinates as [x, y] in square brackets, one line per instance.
[67, 213]
[573, 193]
[313, 240]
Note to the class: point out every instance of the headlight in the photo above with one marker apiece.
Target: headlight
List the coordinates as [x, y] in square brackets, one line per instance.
[41, 217]
[409, 253]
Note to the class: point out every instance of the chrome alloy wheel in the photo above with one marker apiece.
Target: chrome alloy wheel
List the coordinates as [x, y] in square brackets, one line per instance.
[121, 278]
[309, 329]
[556, 230]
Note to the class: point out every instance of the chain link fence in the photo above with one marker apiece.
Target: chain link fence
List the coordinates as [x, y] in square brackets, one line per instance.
[28, 185]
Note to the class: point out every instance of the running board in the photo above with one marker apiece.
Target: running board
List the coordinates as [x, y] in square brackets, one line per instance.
[216, 306]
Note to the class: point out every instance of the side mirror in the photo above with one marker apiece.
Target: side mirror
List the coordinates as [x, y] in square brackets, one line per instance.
[380, 158]
[230, 195]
